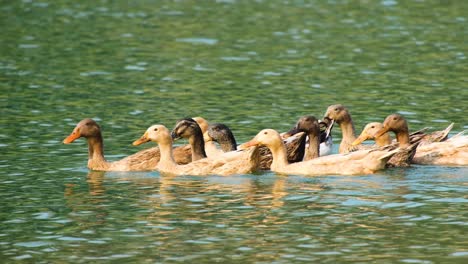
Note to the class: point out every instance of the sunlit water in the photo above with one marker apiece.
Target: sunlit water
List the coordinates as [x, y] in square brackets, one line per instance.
[251, 65]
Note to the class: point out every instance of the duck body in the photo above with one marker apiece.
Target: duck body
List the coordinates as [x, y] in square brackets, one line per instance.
[405, 153]
[359, 162]
[221, 134]
[144, 160]
[241, 162]
[453, 151]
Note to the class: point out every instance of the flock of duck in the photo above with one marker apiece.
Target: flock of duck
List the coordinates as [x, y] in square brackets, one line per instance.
[304, 150]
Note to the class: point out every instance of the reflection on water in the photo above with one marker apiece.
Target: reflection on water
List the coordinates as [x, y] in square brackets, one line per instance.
[106, 216]
[251, 65]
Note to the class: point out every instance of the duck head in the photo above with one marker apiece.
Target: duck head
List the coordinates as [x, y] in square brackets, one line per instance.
[155, 133]
[266, 137]
[369, 132]
[394, 122]
[307, 124]
[337, 113]
[185, 128]
[85, 128]
[219, 132]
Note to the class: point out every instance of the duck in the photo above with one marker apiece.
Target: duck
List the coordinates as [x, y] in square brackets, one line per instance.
[189, 129]
[339, 114]
[210, 147]
[369, 131]
[239, 162]
[144, 160]
[318, 136]
[353, 163]
[404, 155]
[223, 135]
[453, 151]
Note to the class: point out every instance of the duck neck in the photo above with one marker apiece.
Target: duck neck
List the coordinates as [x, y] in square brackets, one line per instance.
[228, 144]
[96, 160]
[383, 140]
[403, 138]
[313, 150]
[198, 147]
[167, 157]
[348, 133]
[280, 157]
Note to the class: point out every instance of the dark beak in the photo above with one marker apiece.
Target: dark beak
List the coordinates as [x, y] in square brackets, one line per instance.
[175, 136]
[291, 132]
[326, 126]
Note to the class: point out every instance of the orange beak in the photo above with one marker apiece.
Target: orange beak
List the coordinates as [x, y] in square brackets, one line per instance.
[381, 131]
[363, 137]
[141, 140]
[72, 137]
[249, 144]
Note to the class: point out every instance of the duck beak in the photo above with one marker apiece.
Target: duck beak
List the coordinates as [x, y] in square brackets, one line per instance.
[359, 140]
[175, 136]
[290, 133]
[381, 131]
[72, 137]
[330, 123]
[249, 144]
[141, 140]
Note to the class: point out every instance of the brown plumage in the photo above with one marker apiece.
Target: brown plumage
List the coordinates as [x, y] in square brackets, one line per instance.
[234, 162]
[340, 114]
[144, 160]
[453, 151]
[358, 162]
[224, 137]
[404, 155]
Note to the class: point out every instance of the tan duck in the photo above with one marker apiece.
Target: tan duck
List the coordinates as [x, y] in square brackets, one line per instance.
[144, 160]
[404, 155]
[221, 134]
[340, 114]
[369, 131]
[358, 162]
[453, 151]
[228, 164]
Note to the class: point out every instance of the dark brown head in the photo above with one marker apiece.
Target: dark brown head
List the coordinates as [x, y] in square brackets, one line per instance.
[308, 124]
[337, 113]
[223, 135]
[85, 128]
[186, 128]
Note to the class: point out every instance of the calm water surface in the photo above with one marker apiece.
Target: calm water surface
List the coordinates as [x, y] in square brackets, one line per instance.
[251, 65]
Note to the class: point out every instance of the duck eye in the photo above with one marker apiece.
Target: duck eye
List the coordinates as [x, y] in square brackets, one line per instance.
[336, 109]
[395, 118]
[372, 126]
[155, 129]
[265, 133]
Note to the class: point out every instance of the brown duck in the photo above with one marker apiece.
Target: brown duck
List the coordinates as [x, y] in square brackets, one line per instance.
[144, 160]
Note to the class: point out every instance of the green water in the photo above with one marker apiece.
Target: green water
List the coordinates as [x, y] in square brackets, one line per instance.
[250, 65]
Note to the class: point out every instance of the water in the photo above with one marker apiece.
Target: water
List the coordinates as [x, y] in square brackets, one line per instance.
[251, 65]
